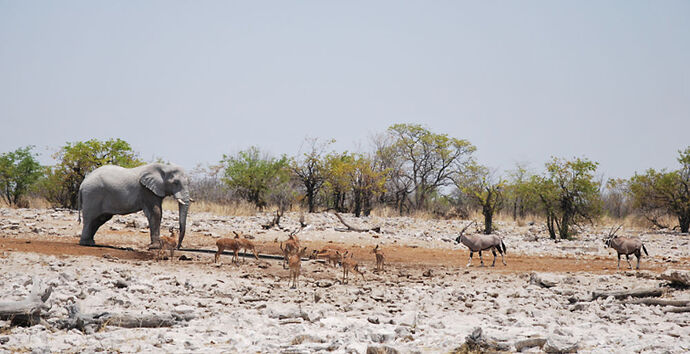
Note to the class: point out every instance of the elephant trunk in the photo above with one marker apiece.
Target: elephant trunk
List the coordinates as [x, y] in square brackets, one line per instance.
[184, 208]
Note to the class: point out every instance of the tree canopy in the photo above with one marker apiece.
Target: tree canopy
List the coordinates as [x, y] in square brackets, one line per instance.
[655, 193]
[569, 194]
[423, 161]
[19, 170]
[482, 187]
[254, 174]
[77, 159]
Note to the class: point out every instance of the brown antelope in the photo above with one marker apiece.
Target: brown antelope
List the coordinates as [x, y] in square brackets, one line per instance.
[349, 264]
[295, 262]
[291, 246]
[245, 245]
[625, 245]
[167, 243]
[329, 253]
[380, 258]
[230, 244]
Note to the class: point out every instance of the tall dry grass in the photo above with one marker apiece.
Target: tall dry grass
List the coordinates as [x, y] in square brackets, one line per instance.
[639, 222]
[28, 202]
[231, 209]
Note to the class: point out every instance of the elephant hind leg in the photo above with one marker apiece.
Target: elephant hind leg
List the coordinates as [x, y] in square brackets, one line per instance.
[90, 228]
[86, 235]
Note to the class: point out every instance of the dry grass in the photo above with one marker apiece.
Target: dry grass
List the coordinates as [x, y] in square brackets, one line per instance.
[639, 222]
[234, 209]
[385, 212]
[28, 202]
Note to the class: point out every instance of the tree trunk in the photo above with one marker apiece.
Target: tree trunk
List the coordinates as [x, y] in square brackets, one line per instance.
[549, 224]
[366, 203]
[488, 217]
[684, 223]
[310, 199]
[357, 196]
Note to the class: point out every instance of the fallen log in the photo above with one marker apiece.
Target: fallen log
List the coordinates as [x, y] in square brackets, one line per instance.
[660, 302]
[541, 280]
[676, 276]
[27, 312]
[376, 229]
[97, 321]
[677, 309]
[622, 294]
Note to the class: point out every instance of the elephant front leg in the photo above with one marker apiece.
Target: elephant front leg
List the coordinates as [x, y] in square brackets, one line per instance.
[154, 215]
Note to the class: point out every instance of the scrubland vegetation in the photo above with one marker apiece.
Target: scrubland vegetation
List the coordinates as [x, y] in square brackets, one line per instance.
[409, 170]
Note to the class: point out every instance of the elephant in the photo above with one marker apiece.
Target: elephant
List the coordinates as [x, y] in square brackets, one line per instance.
[113, 190]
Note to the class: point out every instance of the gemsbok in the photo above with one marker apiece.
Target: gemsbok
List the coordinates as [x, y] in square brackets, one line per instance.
[479, 243]
[625, 245]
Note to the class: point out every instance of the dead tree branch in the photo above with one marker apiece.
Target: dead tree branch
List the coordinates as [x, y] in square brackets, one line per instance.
[660, 302]
[376, 229]
[622, 294]
[275, 221]
[27, 312]
[97, 321]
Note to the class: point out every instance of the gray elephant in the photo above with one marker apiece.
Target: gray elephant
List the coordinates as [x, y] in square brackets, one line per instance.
[114, 190]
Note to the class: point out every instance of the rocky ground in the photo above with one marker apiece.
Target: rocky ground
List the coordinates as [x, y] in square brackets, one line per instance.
[425, 301]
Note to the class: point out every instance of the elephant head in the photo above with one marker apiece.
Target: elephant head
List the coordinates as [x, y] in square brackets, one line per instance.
[169, 180]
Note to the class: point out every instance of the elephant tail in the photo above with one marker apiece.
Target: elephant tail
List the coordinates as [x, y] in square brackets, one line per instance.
[79, 207]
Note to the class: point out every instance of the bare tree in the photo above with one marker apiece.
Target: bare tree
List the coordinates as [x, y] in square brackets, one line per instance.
[310, 170]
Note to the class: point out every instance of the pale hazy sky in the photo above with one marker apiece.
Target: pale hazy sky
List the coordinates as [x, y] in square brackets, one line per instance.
[188, 81]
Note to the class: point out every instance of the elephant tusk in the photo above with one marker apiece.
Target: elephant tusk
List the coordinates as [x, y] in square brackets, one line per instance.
[181, 201]
[191, 200]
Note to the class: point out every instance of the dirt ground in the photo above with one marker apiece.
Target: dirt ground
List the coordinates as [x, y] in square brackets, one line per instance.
[400, 256]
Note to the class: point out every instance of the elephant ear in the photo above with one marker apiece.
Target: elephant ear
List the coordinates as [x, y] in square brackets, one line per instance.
[154, 182]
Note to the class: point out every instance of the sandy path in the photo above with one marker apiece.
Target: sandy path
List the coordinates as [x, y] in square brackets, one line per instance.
[415, 257]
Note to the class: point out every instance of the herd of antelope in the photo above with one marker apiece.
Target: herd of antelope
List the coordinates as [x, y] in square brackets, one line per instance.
[335, 255]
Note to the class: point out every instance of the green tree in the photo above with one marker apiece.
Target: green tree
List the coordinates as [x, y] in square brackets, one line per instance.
[19, 170]
[397, 187]
[337, 181]
[425, 160]
[658, 192]
[254, 175]
[366, 183]
[518, 192]
[353, 182]
[479, 184]
[569, 194]
[76, 160]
